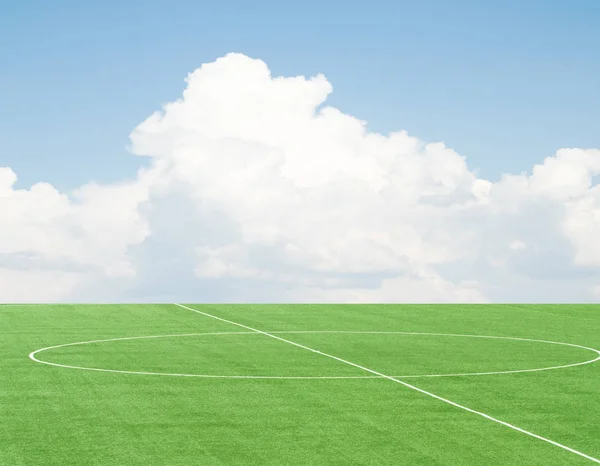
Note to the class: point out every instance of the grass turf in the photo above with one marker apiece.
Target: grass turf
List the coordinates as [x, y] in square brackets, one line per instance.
[59, 416]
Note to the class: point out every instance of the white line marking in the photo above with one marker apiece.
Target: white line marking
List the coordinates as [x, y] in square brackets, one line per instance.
[412, 387]
[597, 358]
[33, 357]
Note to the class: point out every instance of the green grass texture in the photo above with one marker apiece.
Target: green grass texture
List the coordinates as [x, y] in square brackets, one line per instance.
[323, 385]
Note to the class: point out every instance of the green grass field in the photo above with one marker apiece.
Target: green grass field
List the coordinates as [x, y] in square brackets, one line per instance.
[220, 393]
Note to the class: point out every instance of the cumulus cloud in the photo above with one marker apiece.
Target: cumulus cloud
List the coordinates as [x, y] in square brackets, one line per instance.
[259, 191]
[61, 240]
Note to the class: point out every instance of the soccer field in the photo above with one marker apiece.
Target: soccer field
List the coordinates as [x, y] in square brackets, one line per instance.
[299, 384]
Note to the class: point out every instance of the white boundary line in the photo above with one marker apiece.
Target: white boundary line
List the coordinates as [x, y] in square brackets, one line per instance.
[412, 387]
[33, 354]
[467, 374]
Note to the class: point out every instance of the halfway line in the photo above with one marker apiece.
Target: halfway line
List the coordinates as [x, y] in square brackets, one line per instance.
[433, 395]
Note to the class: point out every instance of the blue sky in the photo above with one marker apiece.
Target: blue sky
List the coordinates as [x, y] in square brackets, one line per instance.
[504, 83]
[254, 189]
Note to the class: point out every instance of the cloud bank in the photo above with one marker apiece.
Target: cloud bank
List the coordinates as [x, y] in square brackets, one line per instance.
[259, 191]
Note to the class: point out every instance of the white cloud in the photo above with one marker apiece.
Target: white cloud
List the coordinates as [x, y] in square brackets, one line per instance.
[33, 285]
[62, 240]
[517, 245]
[259, 191]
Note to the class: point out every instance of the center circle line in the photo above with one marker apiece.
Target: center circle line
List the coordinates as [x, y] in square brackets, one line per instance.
[33, 354]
